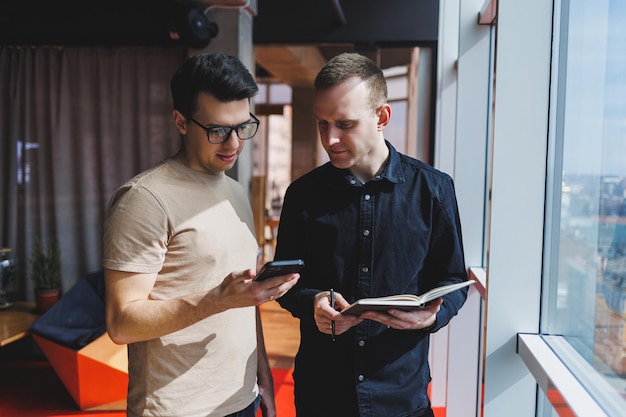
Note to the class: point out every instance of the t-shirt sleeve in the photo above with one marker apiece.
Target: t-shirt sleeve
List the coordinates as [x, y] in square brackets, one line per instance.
[135, 231]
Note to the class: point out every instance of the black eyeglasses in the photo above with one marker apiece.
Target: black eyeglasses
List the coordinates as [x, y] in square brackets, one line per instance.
[217, 134]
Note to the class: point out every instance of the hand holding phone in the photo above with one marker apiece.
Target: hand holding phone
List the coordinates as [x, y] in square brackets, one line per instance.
[275, 268]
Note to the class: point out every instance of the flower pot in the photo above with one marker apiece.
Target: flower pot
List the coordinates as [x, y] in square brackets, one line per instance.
[44, 299]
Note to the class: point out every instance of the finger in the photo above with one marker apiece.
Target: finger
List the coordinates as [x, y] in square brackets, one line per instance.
[325, 326]
[340, 302]
[245, 274]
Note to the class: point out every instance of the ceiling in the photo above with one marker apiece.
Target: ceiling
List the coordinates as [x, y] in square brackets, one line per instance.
[292, 38]
[297, 65]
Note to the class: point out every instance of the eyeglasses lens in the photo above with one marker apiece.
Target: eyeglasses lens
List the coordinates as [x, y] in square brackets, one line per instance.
[218, 134]
[247, 130]
[221, 134]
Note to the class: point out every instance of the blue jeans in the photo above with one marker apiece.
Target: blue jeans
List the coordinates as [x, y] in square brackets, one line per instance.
[249, 411]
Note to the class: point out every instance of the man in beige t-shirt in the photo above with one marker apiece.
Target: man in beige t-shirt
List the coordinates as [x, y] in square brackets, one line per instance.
[179, 257]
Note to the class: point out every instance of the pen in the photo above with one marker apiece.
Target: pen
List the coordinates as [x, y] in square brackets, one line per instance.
[332, 305]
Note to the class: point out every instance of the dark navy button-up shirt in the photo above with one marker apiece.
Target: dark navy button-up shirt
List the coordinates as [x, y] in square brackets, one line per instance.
[398, 233]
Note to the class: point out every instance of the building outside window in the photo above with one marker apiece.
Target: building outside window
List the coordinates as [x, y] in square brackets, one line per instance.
[585, 275]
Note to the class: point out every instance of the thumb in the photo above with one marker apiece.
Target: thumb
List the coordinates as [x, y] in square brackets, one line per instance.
[340, 302]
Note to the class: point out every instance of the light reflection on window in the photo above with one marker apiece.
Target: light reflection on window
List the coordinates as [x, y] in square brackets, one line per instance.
[590, 307]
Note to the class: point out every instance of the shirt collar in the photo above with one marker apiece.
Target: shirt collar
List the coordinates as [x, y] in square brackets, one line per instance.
[392, 172]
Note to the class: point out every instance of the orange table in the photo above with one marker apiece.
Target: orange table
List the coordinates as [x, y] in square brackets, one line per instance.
[16, 320]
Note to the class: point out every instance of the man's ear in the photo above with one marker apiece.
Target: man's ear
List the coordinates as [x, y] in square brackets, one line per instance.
[180, 122]
[384, 116]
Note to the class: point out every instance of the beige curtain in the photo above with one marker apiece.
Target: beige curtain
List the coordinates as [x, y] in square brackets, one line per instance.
[74, 124]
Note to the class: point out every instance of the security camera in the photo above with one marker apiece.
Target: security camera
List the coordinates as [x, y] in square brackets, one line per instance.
[190, 23]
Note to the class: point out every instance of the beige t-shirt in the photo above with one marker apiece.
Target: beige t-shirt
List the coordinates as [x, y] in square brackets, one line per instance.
[193, 229]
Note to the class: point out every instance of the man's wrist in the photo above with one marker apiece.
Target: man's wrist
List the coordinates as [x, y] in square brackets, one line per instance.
[430, 328]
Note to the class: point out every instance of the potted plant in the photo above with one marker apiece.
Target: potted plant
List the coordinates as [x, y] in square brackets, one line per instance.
[46, 273]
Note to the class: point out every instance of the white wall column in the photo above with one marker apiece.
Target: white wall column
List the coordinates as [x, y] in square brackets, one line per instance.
[235, 37]
[461, 150]
[523, 49]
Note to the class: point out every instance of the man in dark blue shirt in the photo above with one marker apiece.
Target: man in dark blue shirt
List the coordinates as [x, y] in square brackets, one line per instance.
[372, 222]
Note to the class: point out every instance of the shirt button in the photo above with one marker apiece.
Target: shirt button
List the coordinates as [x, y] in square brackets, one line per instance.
[361, 343]
[353, 181]
[367, 196]
[365, 269]
[366, 232]
[361, 378]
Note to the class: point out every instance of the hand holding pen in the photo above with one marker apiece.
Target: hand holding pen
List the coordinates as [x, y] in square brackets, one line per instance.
[326, 313]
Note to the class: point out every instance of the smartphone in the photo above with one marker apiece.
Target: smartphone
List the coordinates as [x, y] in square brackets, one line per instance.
[274, 268]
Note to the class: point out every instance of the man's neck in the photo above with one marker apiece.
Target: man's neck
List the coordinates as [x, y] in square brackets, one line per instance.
[373, 169]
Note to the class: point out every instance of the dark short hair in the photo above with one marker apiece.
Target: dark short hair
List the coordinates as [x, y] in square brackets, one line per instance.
[221, 75]
[348, 65]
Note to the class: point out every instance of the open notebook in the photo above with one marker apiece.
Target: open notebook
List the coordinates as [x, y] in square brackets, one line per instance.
[402, 301]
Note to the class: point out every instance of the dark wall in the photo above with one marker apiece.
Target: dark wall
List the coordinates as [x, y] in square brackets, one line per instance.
[146, 22]
[75, 22]
[397, 22]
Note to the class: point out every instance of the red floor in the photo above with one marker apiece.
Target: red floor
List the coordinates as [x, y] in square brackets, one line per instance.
[283, 393]
[32, 389]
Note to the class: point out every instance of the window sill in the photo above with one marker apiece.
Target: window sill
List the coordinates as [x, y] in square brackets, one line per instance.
[562, 387]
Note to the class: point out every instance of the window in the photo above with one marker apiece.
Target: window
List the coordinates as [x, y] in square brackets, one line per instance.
[585, 276]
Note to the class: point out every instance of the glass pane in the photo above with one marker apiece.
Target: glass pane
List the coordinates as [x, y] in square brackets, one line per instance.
[261, 97]
[397, 87]
[280, 94]
[589, 308]
[395, 132]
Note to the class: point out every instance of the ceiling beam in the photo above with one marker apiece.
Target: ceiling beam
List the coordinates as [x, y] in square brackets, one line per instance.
[296, 66]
